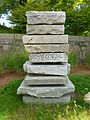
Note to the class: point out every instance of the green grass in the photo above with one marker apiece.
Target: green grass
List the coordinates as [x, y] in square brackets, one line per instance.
[73, 58]
[12, 107]
[88, 59]
[4, 29]
[13, 61]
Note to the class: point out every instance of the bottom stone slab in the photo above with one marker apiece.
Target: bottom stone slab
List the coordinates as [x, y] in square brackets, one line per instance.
[29, 99]
[46, 91]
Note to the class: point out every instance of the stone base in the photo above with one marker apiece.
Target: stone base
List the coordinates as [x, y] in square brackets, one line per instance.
[29, 99]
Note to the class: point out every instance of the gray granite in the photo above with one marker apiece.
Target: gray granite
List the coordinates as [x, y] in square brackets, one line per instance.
[87, 98]
[47, 48]
[46, 69]
[45, 29]
[48, 57]
[29, 99]
[68, 68]
[45, 17]
[45, 80]
[36, 39]
[46, 91]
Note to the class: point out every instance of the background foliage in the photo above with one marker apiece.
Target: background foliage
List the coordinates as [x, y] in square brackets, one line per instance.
[77, 11]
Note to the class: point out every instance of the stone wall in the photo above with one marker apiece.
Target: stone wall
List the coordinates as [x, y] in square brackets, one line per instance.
[81, 45]
[13, 42]
[10, 42]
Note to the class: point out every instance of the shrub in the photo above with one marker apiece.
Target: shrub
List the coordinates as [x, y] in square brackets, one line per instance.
[88, 59]
[1, 63]
[81, 82]
[73, 58]
[13, 61]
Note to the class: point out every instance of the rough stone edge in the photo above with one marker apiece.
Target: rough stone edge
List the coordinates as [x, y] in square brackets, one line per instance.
[23, 89]
[61, 14]
[27, 69]
[49, 48]
[42, 29]
[60, 60]
[28, 80]
[39, 39]
[29, 99]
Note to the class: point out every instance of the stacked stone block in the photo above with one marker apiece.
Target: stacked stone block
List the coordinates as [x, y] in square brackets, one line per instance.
[47, 69]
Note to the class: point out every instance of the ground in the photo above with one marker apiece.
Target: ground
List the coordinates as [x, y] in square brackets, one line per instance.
[13, 108]
[81, 69]
[7, 76]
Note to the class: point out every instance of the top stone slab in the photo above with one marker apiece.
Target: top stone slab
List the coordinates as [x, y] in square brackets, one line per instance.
[45, 17]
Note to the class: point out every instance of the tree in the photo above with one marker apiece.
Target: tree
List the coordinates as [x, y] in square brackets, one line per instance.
[22, 2]
[7, 5]
[78, 20]
[18, 13]
[78, 15]
[77, 11]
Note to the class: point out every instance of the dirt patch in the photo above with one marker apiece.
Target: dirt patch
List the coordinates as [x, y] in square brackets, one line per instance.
[81, 69]
[7, 76]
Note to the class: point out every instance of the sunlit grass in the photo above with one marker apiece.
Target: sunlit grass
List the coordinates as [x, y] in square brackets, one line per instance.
[12, 107]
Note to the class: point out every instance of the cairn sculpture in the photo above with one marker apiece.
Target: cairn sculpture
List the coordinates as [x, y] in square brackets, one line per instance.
[47, 69]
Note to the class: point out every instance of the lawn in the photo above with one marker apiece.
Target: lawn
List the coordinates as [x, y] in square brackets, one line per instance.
[12, 107]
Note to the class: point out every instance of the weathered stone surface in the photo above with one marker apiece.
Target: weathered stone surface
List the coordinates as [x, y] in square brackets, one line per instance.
[46, 91]
[45, 80]
[45, 17]
[36, 39]
[29, 99]
[6, 47]
[47, 48]
[45, 29]
[68, 67]
[87, 98]
[48, 57]
[46, 69]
